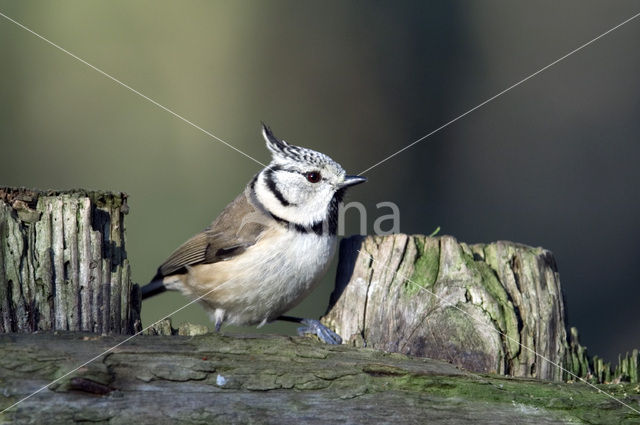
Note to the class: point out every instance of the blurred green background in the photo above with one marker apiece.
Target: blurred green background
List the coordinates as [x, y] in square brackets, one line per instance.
[551, 163]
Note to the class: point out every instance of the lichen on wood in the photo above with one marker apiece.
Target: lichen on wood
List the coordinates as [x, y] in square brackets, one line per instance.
[495, 307]
[63, 263]
[216, 379]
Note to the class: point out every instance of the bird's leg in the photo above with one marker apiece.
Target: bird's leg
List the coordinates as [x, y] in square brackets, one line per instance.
[218, 318]
[312, 326]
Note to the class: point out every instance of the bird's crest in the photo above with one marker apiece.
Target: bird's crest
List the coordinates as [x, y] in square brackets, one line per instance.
[282, 150]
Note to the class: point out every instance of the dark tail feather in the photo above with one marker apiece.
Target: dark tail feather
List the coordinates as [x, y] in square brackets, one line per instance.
[153, 288]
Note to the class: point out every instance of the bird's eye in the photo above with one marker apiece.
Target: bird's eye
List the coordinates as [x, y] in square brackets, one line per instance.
[313, 176]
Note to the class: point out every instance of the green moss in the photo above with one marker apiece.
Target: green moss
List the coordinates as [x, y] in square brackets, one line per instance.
[577, 400]
[426, 266]
[504, 316]
[279, 363]
[5, 402]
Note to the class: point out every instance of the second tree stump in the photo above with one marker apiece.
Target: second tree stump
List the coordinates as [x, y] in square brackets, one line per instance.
[467, 304]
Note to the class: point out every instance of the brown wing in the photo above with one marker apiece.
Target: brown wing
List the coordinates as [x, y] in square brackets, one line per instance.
[239, 226]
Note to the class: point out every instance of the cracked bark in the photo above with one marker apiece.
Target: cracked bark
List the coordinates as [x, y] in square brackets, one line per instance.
[214, 379]
[63, 264]
[466, 304]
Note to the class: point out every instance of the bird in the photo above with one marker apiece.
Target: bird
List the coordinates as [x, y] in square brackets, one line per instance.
[269, 247]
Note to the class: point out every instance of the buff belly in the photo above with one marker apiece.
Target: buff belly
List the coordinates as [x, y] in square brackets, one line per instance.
[268, 279]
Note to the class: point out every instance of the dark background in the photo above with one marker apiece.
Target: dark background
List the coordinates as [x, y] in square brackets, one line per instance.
[550, 163]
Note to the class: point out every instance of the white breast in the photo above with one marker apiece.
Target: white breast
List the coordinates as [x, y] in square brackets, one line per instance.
[268, 279]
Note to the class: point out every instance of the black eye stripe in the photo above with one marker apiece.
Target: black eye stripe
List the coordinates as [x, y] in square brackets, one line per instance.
[271, 185]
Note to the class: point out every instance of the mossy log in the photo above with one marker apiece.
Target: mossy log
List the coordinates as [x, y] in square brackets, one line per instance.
[471, 305]
[63, 263]
[214, 379]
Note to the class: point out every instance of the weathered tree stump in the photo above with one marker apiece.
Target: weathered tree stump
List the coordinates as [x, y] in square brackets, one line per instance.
[63, 263]
[467, 304]
[213, 379]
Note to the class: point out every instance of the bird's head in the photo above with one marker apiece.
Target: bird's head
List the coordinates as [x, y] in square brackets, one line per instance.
[300, 185]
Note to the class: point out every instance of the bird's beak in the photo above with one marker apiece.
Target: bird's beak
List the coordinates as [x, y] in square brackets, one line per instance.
[352, 181]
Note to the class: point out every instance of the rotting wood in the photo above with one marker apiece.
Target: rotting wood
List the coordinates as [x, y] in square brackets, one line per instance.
[469, 304]
[215, 379]
[63, 263]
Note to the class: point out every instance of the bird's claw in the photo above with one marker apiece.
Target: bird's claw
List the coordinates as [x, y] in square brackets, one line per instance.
[325, 334]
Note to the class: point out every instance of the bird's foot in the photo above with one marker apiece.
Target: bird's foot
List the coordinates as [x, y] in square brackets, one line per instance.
[218, 318]
[325, 334]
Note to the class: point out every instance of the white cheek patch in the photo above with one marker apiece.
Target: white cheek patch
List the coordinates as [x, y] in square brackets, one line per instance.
[291, 186]
[269, 199]
[283, 195]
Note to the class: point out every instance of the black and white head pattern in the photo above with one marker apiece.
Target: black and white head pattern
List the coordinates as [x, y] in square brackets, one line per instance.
[300, 187]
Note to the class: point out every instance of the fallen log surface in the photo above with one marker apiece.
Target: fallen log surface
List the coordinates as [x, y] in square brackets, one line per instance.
[215, 379]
